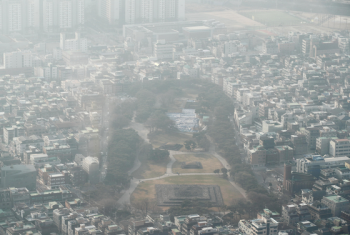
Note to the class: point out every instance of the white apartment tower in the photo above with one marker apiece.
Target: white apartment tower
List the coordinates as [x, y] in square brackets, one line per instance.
[130, 11]
[141, 11]
[91, 167]
[74, 44]
[181, 10]
[33, 17]
[111, 10]
[48, 19]
[62, 14]
[18, 59]
[15, 16]
[65, 18]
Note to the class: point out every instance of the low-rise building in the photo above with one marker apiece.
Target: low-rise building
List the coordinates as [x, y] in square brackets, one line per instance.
[339, 147]
[336, 204]
[258, 226]
[18, 176]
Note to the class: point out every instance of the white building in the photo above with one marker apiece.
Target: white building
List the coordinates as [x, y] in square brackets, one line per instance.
[18, 59]
[50, 71]
[65, 18]
[150, 10]
[229, 48]
[163, 50]
[14, 16]
[111, 10]
[40, 160]
[271, 126]
[258, 226]
[92, 168]
[308, 164]
[56, 180]
[49, 15]
[33, 17]
[62, 14]
[339, 147]
[74, 44]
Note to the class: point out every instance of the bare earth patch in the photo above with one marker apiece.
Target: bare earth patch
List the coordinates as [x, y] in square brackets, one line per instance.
[150, 169]
[147, 189]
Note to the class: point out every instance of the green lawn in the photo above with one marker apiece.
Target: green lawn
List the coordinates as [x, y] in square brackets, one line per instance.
[272, 18]
[147, 189]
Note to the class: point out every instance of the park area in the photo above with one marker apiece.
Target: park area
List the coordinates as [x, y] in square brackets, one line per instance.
[149, 169]
[209, 163]
[147, 190]
[272, 17]
[159, 139]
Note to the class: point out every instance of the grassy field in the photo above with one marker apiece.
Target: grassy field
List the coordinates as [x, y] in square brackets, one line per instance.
[163, 138]
[150, 169]
[147, 189]
[272, 18]
[209, 163]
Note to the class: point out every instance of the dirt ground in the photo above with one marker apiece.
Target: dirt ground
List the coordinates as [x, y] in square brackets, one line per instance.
[235, 20]
[150, 169]
[232, 19]
[147, 189]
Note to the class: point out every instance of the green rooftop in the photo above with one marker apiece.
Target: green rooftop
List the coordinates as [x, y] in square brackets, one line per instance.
[336, 198]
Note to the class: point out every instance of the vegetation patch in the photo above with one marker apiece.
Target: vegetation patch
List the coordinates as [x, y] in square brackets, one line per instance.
[150, 169]
[161, 138]
[208, 161]
[174, 147]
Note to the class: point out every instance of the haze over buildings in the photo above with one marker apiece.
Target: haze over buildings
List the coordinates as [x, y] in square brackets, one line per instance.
[258, 97]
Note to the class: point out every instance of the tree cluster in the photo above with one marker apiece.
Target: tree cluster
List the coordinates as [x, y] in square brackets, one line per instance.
[202, 140]
[221, 130]
[190, 145]
[122, 151]
[122, 114]
[153, 99]
[159, 121]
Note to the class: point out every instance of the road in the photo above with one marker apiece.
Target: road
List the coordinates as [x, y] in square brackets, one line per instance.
[125, 199]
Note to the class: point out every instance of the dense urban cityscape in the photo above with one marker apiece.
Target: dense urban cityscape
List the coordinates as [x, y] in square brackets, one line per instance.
[174, 117]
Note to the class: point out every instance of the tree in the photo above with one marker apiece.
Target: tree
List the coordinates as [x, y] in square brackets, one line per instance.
[119, 121]
[263, 176]
[159, 120]
[224, 170]
[158, 155]
[217, 171]
[190, 145]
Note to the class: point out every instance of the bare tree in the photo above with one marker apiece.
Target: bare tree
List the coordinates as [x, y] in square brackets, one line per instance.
[145, 203]
[264, 176]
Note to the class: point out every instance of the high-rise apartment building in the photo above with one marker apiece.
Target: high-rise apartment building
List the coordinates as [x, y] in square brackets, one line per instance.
[141, 11]
[48, 15]
[111, 10]
[74, 44]
[62, 14]
[18, 59]
[33, 17]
